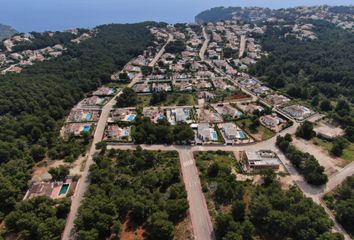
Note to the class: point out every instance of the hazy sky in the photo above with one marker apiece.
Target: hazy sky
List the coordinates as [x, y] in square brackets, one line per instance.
[40, 15]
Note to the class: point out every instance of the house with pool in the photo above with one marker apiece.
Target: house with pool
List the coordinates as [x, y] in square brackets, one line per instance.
[114, 132]
[77, 129]
[206, 134]
[232, 133]
[82, 115]
[53, 190]
[122, 115]
[155, 114]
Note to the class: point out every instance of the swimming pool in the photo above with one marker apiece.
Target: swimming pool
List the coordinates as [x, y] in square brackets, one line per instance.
[131, 117]
[86, 128]
[125, 133]
[162, 117]
[242, 135]
[64, 188]
[88, 116]
[213, 136]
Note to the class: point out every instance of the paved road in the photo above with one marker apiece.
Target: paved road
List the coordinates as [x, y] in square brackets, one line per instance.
[201, 222]
[84, 182]
[242, 46]
[162, 50]
[205, 44]
[313, 192]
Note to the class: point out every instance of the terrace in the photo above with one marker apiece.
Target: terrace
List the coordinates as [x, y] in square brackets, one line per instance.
[178, 115]
[93, 101]
[104, 91]
[209, 116]
[297, 112]
[232, 132]
[261, 159]
[79, 115]
[115, 133]
[273, 122]
[122, 115]
[206, 134]
[154, 114]
[277, 100]
[77, 129]
[53, 190]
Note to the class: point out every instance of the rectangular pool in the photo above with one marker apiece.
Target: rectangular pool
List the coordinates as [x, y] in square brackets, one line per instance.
[86, 128]
[64, 189]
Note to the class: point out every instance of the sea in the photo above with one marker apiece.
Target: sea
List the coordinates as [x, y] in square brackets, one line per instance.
[56, 15]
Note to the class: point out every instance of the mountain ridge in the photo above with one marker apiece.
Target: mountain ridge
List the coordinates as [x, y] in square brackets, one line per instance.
[6, 31]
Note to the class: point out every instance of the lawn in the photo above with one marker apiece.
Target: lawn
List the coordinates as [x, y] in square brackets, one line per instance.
[348, 152]
[262, 133]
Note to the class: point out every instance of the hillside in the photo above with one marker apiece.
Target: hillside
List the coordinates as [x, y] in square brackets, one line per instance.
[6, 31]
[34, 102]
[254, 14]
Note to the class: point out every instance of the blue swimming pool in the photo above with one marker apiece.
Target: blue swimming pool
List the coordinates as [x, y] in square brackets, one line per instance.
[88, 116]
[213, 136]
[64, 188]
[86, 128]
[131, 117]
[162, 116]
[125, 133]
[242, 135]
[238, 114]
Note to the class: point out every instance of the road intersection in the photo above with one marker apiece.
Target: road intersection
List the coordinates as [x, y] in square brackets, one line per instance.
[201, 221]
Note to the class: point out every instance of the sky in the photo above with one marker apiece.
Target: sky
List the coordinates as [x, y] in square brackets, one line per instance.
[41, 15]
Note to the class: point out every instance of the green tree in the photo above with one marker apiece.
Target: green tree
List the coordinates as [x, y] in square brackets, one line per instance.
[59, 173]
[128, 98]
[326, 105]
[305, 131]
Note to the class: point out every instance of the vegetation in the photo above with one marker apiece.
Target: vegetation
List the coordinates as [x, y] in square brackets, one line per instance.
[296, 67]
[341, 201]
[305, 131]
[306, 163]
[39, 218]
[176, 46]
[347, 153]
[128, 98]
[59, 173]
[244, 211]
[43, 40]
[161, 132]
[34, 103]
[141, 188]
[253, 127]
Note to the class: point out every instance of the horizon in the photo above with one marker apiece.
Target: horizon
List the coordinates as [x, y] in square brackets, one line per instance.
[50, 15]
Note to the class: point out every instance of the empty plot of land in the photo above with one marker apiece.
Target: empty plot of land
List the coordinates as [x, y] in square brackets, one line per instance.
[331, 164]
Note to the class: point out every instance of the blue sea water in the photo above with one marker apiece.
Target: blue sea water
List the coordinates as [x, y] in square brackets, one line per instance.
[41, 15]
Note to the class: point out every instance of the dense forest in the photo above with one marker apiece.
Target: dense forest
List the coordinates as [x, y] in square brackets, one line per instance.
[318, 71]
[39, 218]
[245, 211]
[135, 189]
[342, 202]
[34, 103]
